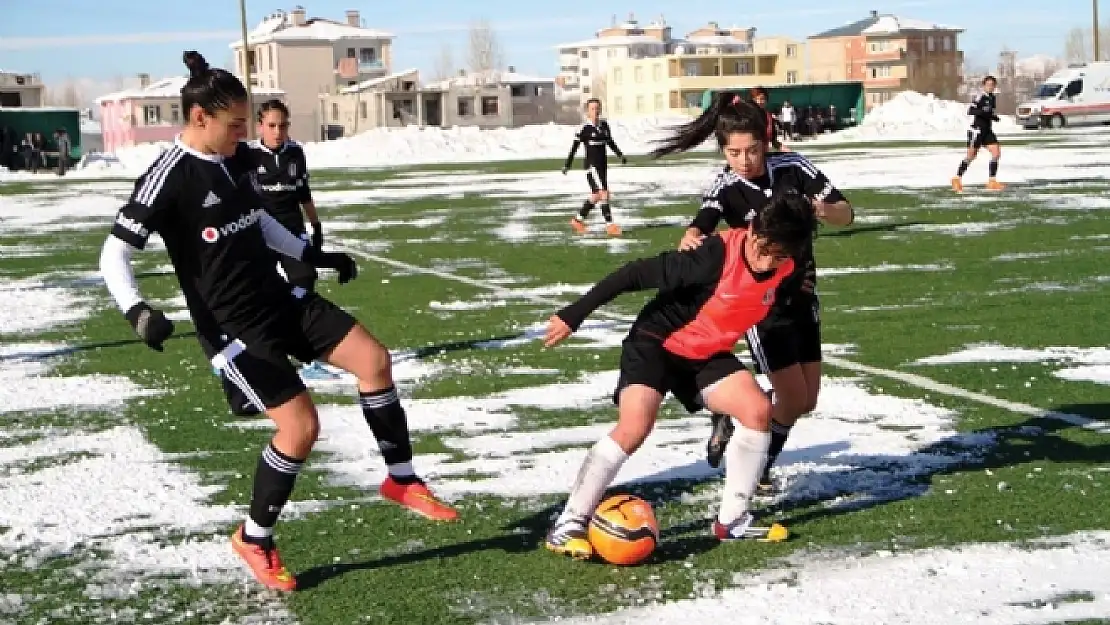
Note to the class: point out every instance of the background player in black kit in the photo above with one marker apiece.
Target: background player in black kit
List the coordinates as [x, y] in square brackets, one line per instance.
[283, 185]
[282, 173]
[983, 111]
[597, 136]
[786, 346]
[200, 196]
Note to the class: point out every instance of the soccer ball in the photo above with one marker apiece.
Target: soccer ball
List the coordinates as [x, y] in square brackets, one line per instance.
[623, 530]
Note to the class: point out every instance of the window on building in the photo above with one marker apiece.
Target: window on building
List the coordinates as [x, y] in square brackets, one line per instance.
[744, 68]
[947, 68]
[948, 43]
[152, 115]
[618, 76]
[367, 55]
[351, 53]
[466, 107]
[618, 104]
[658, 102]
[585, 54]
[334, 111]
[585, 71]
[657, 71]
[791, 51]
[270, 56]
[175, 113]
[362, 112]
[791, 78]
[517, 91]
[693, 100]
[252, 60]
[611, 53]
[638, 74]
[931, 43]
[882, 71]
[641, 106]
[490, 105]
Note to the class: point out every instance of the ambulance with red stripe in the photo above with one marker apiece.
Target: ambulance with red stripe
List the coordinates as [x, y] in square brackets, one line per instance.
[1074, 96]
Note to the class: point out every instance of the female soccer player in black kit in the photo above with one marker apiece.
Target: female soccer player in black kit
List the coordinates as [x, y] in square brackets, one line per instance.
[786, 346]
[282, 174]
[200, 196]
[682, 341]
[981, 135]
[597, 136]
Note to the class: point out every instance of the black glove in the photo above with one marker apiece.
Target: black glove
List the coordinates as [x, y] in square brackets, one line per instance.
[624, 160]
[343, 263]
[317, 235]
[150, 324]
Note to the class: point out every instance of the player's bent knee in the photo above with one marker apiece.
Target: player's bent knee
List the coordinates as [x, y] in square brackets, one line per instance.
[298, 425]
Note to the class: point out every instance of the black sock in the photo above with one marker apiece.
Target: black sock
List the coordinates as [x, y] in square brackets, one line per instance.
[386, 418]
[606, 212]
[992, 169]
[273, 482]
[963, 168]
[587, 206]
[779, 434]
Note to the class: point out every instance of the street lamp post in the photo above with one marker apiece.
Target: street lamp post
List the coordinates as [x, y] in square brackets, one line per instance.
[247, 60]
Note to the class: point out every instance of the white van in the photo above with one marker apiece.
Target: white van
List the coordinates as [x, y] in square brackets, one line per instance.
[1073, 96]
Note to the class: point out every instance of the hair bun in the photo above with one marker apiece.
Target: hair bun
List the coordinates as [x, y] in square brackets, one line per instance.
[195, 62]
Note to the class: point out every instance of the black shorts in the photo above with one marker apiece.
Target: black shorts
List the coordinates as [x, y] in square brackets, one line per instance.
[306, 329]
[646, 362]
[788, 336]
[598, 178]
[977, 138]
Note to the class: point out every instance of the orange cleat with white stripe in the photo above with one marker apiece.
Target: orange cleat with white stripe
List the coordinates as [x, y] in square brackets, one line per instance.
[416, 497]
[264, 562]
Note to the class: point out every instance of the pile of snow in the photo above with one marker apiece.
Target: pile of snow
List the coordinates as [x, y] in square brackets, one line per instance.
[411, 145]
[911, 115]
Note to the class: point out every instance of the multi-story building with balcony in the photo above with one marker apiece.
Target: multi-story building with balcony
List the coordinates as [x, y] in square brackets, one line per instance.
[583, 64]
[710, 57]
[890, 54]
[309, 57]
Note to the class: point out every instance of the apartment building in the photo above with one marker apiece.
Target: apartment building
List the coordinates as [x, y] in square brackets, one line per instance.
[793, 58]
[583, 64]
[308, 57]
[21, 90]
[150, 112]
[710, 57]
[889, 54]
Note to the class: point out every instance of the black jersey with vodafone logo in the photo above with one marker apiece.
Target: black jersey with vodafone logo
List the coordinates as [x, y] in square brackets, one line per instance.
[735, 199]
[282, 181]
[207, 211]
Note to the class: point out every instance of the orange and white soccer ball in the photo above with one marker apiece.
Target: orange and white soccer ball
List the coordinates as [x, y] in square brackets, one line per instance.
[623, 530]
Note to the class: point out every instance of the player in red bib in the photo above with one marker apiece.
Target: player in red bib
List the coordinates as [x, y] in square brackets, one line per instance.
[682, 343]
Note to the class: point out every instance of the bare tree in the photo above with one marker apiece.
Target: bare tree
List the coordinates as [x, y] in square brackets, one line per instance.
[484, 52]
[444, 66]
[1076, 47]
[1079, 45]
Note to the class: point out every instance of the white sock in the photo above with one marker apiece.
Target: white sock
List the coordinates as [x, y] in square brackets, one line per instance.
[254, 530]
[401, 469]
[602, 463]
[745, 456]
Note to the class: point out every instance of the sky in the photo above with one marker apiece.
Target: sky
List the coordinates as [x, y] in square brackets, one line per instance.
[101, 43]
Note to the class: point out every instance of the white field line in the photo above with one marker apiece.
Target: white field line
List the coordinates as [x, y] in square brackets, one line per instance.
[911, 379]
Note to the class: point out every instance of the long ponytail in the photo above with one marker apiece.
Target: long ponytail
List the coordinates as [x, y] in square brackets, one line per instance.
[728, 112]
